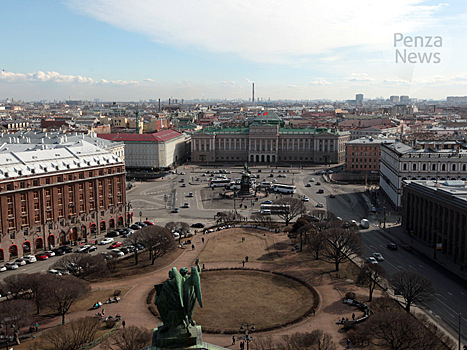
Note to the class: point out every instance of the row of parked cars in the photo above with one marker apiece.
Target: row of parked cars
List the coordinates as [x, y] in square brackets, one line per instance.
[30, 259]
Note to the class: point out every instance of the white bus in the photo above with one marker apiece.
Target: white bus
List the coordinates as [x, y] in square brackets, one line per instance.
[219, 183]
[274, 208]
[283, 188]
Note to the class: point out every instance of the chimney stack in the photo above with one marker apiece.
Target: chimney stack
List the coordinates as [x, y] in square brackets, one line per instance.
[253, 93]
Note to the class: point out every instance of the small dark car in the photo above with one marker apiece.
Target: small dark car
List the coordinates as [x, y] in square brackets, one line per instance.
[392, 246]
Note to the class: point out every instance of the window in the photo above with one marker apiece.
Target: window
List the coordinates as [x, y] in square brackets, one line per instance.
[37, 218]
[404, 166]
[23, 197]
[9, 187]
[60, 212]
[90, 174]
[424, 167]
[433, 167]
[81, 175]
[464, 167]
[443, 167]
[59, 179]
[22, 184]
[47, 180]
[9, 199]
[453, 167]
[414, 166]
[35, 194]
[36, 206]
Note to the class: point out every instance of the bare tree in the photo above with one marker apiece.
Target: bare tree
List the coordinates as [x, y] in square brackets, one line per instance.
[171, 226]
[413, 287]
[370, 276]
[129, 338]
[296, 208]
[72, 336]
[134, 240]
[15, 312]
[315, 340]
[28, 286]
[177, 226]
[322, 214]
[64, 291]
[91, 265]
[158, 240]
[314, 238]
[263, 342]
[340, 244]
[69, 262]
[264, 220]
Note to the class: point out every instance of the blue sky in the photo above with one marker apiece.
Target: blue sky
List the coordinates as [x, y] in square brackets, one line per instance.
[298, 49]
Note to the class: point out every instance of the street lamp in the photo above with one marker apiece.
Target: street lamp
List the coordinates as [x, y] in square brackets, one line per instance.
[384, 216]
[247, 328]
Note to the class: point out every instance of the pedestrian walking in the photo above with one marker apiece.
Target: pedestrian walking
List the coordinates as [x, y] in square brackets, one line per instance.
[348, 343]
[37, 326]
[102, 312]
[203, 266]
[353, 316]
[314, 311]
[202, 239]
[233, 339]
[243, 263]
[192, 247]
[246, 258]
[123, 323]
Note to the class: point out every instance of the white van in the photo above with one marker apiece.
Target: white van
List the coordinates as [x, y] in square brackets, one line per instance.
[365, 223]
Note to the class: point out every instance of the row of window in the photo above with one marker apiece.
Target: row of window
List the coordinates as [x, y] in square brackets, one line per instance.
[434, 167]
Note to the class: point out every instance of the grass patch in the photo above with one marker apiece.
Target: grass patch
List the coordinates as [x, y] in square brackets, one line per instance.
[228, 246]
[241, 296]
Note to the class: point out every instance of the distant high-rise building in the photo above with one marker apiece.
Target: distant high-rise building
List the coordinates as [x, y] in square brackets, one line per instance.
[359, 99]
[404, 99]
[394, 99]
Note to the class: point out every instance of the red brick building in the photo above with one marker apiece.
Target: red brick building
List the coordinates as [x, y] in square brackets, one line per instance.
[50, 196]
[363, 154]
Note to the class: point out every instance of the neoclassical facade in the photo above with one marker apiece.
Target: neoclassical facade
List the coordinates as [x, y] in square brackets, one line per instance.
[437, 214]
[269, 143]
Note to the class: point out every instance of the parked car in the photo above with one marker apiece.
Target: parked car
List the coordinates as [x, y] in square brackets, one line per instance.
[106, 241]
[320, 205]
[142, 224]
[20, 262]
[318, 183]
[174, 210]
[83, 248]
[373, 209]
[91, 249]
[58, 251]
[117, 252]
[320, 190]
[50, 253]
[392, 246]
[190, 194]
[149, 223]
[112, 234]
[41, 256]
[11, 266]
[124, 250]
[30, 259]
[183, 185]
[307, 185]
[186, 205]
[332, 196]
[305, 199]
[139, 246]
[54, 272]
[67, 249]
[312, 179]
[115, 245]
[371, 260]
[198, 225]
[2, 268]
[135, 227]
[378, 256]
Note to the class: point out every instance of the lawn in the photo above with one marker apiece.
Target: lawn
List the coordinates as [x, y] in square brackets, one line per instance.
[262, 298]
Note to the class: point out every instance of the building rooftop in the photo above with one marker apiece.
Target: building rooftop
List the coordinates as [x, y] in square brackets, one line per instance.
[161, 136]
[371, 140]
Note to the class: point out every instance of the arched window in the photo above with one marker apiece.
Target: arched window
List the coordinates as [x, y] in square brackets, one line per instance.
[404, 166]
[453, 167]
[424, 167]
[464, 167]
[443, 167]
[414, 167]
[433, 167]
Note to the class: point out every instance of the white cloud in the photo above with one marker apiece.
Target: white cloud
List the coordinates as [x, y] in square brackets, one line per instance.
[265, 30]
[320, 82]
[359, 77]
[56, 77]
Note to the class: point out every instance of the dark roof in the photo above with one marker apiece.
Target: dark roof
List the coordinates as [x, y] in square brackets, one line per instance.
[161, 136]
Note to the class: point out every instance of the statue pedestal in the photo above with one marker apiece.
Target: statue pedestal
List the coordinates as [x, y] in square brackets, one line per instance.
[177, 338]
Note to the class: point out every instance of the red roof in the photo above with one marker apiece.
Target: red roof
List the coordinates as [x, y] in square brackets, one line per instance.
[161, 136]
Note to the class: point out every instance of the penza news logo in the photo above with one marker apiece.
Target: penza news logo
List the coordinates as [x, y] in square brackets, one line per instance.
[417, 49]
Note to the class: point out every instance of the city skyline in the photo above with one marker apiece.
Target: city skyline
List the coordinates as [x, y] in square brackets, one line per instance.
[114, 50]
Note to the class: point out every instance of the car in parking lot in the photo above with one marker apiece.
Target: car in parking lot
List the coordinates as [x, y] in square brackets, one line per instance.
[149, 223]
[50, 253]
[135, 227]
[67, 249]
[106, 241]
[320, 191]
[2, 268]
[83, 248]
[41, 256]
[30, 259]
[282, 175]
[318, 183]
[198, 225]
[112, 234]
[115, 245]
[371, 260]
[174, 210]
[91, 249]
[319, 205]
[11, 265]
[186, 205]
[58, 251]
[307, 185]
[378, 256]
[54, 272]
[124, 250]
[312, 179]
[190, 194]
[182, 173]
[117, 252]
[332, 196]
[392, 246]
[20, 262]
[305, 199]
[183, 185]
[142, 224]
